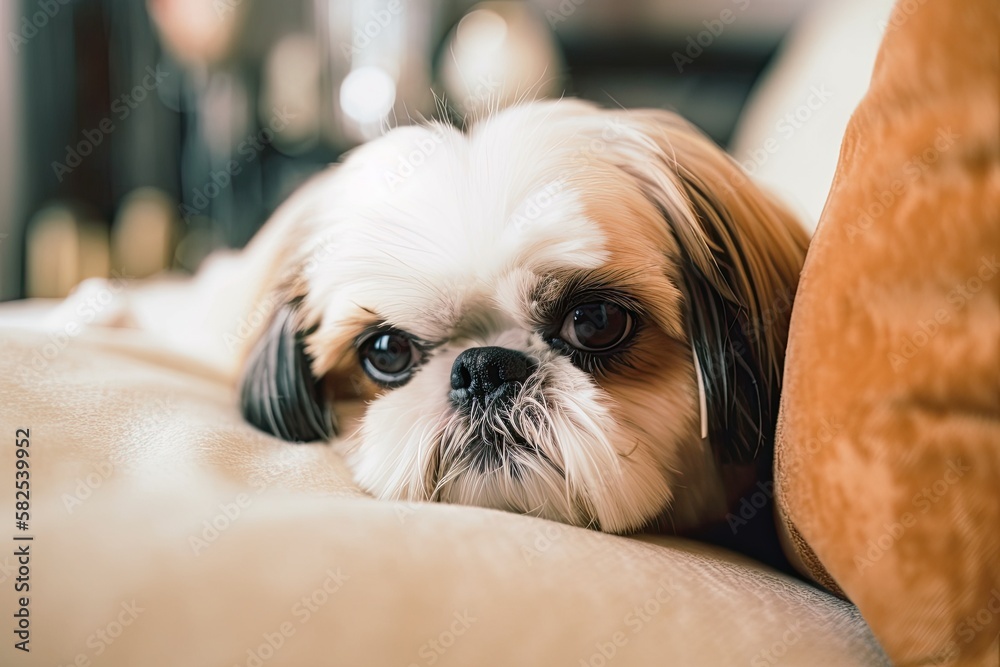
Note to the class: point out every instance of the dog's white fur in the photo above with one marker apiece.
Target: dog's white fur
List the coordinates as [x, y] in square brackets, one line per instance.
[460, 239]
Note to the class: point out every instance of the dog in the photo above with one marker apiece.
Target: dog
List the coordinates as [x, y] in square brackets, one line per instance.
[564, 311]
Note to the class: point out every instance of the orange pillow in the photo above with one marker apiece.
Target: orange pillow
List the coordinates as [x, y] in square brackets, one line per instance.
[888, 447]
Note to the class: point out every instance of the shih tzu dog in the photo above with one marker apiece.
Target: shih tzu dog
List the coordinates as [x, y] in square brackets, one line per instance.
[569, 312]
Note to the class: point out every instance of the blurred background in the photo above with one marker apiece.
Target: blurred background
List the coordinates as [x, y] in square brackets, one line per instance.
[137, 136]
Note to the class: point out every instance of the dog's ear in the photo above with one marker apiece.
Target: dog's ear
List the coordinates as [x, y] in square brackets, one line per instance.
[741, 254]
[278, 392]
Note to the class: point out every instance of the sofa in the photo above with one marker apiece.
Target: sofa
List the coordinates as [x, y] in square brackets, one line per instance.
[169, 532]
[161, 529]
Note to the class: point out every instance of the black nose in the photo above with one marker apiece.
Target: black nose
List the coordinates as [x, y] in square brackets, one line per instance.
[488, 373]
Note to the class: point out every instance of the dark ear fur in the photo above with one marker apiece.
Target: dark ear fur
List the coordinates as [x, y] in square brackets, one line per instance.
[739, 308]
[278, 393]
[741, 254]
[742, 378]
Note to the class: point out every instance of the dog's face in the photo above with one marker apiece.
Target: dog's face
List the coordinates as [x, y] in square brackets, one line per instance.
[519, 306]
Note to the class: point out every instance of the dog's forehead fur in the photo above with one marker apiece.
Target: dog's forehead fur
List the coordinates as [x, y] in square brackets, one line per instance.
[439, 232]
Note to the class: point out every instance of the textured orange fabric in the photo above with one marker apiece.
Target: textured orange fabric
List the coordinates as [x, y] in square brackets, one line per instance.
[888, 454]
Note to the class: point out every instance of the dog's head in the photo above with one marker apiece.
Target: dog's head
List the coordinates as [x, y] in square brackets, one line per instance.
[530, 309]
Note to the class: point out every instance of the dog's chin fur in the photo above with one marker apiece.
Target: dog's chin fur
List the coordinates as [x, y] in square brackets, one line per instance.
[485, 238]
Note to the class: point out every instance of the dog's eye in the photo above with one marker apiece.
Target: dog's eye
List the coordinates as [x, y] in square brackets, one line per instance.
[596, 327]
[388, 356]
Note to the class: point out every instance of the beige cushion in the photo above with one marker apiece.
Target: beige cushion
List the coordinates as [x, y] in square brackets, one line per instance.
[136, 451]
